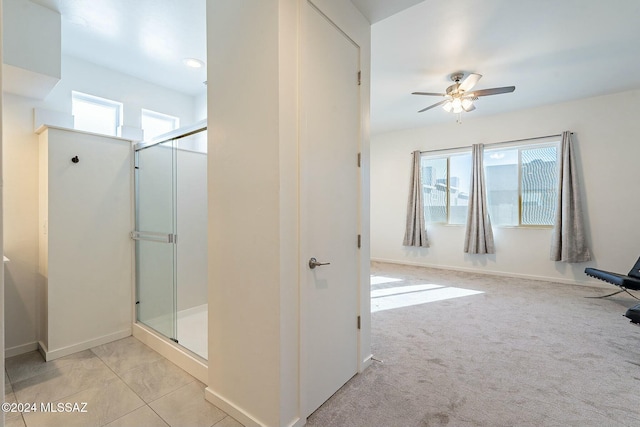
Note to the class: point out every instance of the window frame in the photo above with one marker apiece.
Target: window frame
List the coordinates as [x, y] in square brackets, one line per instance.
[118, 108]
[158, 115]
[520, 146]
[447, 157]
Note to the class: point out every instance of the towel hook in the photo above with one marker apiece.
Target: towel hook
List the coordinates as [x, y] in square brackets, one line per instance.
[75, 159]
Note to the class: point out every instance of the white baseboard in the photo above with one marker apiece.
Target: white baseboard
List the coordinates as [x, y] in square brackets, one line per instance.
[181, 357]
[299, 422]
[86, 345]
[589, 284]
[243, 417]
[366, 363]
[20, 349]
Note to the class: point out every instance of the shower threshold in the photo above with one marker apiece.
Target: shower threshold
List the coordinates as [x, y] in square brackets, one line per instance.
[192, 328]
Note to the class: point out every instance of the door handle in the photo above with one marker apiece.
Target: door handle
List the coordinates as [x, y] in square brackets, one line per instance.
[313, 263]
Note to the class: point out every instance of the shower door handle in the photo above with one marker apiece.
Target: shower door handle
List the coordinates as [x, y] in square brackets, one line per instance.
[154, 237]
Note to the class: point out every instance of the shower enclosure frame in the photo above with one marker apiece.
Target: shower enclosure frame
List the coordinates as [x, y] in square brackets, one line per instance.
[164, 343]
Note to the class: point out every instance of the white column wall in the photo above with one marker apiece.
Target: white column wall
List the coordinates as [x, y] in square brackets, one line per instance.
[244, 211]
[606, 148]
[85, 220]
[253, 204]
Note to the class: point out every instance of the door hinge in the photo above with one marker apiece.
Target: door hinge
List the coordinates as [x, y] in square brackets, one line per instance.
[359, 241]
[358, 322]
[359, 159]
[359, 78]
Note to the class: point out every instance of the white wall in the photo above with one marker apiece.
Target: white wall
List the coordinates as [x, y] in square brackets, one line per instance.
[20, 164]
[33, 37]
[134, 93]
[606, 147]
[85, 220]
[245, 318]
[254, 342]
[20, 174]
[32, 43]
[200, 107]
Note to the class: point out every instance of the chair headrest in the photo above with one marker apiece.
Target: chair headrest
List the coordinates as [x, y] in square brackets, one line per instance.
[635, 271]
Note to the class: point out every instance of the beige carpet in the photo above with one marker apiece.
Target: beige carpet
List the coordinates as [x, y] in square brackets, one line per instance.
[522, 353]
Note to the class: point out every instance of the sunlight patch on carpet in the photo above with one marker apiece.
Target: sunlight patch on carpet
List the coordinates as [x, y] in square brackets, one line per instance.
[406, 296]
[378, 280]
[385, 292]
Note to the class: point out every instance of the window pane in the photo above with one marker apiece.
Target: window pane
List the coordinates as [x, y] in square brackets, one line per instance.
[501, 180]
[95, 117]
[459, 182]
[539, 185]
[155, 124]
[95, 114]
[434, 187]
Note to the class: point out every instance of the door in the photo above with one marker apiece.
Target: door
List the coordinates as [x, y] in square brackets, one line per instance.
[155, 238]
[329, 186]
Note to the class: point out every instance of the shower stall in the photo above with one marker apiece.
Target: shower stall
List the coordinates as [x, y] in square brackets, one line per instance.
[171, 237]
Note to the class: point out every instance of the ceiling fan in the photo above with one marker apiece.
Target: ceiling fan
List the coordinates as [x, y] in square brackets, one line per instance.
[459, 97]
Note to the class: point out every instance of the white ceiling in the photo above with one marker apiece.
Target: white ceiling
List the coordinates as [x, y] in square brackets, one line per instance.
[143, 38]
[551, 50]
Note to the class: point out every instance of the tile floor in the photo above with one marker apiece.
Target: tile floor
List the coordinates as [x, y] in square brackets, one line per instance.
[124, 383]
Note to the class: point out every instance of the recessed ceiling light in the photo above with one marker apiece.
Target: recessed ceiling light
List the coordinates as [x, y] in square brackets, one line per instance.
[193, 63]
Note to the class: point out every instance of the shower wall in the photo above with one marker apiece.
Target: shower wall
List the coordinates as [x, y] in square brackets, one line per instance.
[191, 227]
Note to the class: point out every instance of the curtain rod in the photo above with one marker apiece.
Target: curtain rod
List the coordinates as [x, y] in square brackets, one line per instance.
[492, 143]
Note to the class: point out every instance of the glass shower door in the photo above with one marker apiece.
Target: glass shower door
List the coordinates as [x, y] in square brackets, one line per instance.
[155, 235]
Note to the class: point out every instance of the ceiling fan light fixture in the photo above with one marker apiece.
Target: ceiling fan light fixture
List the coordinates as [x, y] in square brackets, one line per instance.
[467, 104]
[457, 105]
[459, 98]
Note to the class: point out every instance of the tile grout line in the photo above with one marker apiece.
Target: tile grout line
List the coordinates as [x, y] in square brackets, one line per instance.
[57, 400]
[124, 382]
[134, 392]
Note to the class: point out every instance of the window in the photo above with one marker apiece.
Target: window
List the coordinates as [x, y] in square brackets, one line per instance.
[95, 114]
[445, 186]
[521, 184]
[434, 188]
[154, 124]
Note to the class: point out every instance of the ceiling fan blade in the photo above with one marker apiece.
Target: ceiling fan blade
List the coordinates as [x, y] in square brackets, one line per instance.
[469, 82]
[493, 91]
[429, 93]
[433, 106]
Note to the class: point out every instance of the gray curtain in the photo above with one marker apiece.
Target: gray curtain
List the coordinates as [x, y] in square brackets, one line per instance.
[479, 236]
[415, 232]
[568, 241]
